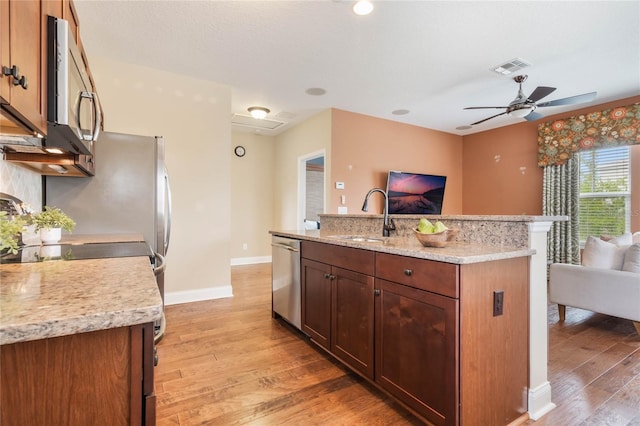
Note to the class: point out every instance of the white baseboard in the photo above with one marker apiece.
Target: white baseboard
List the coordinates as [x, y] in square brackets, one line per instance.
[177, 297]
[540, 401]
[250, 260]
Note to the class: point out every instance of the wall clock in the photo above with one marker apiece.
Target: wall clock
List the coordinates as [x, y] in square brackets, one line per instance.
[240, 151]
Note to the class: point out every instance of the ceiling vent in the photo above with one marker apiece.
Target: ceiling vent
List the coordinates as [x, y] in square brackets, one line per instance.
[514, 65]
[248, 121]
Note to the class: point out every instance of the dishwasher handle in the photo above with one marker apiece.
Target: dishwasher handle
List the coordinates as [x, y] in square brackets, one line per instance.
[284, 246]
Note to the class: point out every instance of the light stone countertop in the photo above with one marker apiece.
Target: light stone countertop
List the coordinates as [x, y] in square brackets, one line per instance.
[58, 298]
[455, 252]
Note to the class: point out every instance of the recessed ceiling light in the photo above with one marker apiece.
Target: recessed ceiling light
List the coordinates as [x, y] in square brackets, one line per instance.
[258, 112]
[466, 127]
[315, 91]
[400, 112]
[363, 7]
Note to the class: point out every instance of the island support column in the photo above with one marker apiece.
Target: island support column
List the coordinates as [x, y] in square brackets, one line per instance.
[539, 386]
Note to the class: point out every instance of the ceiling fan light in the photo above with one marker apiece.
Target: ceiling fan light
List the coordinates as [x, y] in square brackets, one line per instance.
[521, 112]
[258, 112]
[363, 7]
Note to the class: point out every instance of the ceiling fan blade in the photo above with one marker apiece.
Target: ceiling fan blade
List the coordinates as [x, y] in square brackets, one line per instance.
[488, 118]
[540, 92]
[533, 116]
[486, 107]
[578, 99]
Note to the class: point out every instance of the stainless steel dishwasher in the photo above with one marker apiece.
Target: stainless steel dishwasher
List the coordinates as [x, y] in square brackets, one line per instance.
[285, 282]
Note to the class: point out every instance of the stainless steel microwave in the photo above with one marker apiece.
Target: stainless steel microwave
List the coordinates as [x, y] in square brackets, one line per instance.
[73, 111]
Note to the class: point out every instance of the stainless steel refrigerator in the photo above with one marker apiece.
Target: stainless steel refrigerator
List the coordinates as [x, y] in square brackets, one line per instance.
[130, 192]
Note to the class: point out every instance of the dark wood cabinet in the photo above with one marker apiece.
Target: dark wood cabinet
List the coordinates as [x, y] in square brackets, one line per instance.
[100, 377]
[416, 350]
[352, 319]
[338, 303]
[316, 301]
[424, 331]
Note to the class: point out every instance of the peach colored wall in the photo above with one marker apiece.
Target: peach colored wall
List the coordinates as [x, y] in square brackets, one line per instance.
[500, 187]
[493, 180]
[365, 148]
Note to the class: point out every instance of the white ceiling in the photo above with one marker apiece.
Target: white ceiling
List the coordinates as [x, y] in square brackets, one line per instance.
[432, 58]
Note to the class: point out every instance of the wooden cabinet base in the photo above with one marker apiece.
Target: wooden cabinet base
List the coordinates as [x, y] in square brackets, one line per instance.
[81, 379]
[442, 345]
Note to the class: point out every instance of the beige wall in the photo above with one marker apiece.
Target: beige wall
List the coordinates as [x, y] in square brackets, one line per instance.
[365, 148]
[497, 185]
[193, 116]
[311, 136]
[252, 179]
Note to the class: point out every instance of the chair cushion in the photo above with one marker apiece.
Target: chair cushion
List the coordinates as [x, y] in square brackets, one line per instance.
[632, 259]
[602, 254]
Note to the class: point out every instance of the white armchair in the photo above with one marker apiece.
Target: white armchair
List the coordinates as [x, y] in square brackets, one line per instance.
[608, 281]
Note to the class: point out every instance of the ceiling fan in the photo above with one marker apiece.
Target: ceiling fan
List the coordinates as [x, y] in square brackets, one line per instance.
[524, 107]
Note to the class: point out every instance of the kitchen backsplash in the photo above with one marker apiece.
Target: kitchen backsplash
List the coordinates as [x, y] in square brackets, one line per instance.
[21, 183]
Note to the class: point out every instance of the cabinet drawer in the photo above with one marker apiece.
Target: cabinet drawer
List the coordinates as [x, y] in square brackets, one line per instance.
[342, 257]
[437, 277]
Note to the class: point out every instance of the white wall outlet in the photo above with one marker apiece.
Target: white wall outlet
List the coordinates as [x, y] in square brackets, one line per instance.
[245, 246]
[342, 210]
[343, 199]
[339, 185]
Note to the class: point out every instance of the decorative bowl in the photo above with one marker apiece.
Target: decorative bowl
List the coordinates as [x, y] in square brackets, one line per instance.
[439, 239]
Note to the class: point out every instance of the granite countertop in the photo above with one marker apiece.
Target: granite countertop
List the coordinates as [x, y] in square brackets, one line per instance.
[57, 298]
[455, 252]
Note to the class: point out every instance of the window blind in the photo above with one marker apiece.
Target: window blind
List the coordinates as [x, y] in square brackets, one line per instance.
[605, 192]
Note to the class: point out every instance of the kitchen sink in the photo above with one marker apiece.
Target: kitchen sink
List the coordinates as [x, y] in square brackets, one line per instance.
[358, 238]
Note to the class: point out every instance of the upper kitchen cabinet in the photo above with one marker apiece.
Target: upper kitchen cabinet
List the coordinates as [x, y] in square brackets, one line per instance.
[22, 94]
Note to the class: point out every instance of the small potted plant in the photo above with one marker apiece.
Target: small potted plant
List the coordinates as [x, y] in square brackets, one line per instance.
[50, 222]
[10, 232]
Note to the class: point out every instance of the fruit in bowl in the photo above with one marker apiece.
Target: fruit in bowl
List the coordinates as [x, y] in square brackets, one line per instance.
[433, 235]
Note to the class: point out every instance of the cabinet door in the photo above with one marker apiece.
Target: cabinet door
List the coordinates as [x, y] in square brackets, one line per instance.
[25, 37]
[316, 301]
[416, 349]
[352, 325]
[5, 59]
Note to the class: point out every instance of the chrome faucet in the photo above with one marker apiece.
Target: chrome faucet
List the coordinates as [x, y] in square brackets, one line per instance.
[388, 224]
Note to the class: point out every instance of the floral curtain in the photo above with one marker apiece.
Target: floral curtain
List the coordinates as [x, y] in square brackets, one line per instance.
[558, 140]
[560, 198]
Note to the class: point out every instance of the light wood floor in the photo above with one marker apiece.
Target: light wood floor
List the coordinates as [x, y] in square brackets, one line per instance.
[226, 362]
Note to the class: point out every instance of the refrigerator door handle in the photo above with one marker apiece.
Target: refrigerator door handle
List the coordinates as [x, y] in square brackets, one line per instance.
[161, 266]
[167, 235]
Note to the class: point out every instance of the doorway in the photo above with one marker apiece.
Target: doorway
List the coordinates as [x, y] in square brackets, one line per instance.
[311, 189]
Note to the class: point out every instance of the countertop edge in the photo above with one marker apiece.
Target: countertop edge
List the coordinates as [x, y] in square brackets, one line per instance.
[482, 218]
[81, 324]
[428, 253]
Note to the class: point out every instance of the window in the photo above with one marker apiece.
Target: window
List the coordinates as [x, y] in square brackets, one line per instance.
[605, 192]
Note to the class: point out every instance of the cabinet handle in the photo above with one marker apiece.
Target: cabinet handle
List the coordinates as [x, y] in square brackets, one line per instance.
[332, 277]
[327, 276]
[13, 71]
[17, 80]
[376, 292]
[21, 82]
[408, 272]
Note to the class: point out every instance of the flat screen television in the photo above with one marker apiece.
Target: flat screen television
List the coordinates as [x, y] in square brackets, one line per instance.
[415, 193]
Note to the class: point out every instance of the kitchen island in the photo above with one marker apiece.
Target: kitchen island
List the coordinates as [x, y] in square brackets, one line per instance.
[444, 330]
[77, 341]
